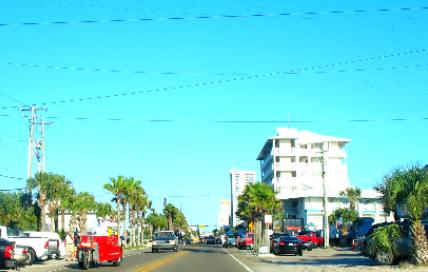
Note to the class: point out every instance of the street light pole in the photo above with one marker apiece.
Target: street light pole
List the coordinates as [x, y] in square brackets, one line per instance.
[325, 199]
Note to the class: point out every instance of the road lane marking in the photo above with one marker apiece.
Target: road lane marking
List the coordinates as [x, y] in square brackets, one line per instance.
[238, 261]
[164, 261]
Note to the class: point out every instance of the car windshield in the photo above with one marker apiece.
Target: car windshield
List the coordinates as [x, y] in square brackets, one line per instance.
[164, 235]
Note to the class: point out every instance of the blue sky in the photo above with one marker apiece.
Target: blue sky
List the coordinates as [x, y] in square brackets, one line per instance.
[336, 61]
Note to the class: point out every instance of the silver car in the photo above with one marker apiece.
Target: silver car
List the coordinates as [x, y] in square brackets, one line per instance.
[164, 240]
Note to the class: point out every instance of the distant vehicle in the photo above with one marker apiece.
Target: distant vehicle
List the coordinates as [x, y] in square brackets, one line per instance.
[218, 240]
[311, 236]
[38, 247]
[230, 239]
[288, 245]
[13, 256]
[210, 239]
[164, 240]
[246, 241]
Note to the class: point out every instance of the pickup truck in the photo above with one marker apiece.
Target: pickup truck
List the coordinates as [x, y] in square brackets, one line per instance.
[38, 247]
[310, 236]
[56, 247]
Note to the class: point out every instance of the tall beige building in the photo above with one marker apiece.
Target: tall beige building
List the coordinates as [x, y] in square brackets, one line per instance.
[238, 180]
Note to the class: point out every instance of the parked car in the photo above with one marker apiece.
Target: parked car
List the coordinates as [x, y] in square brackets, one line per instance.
[246, 241]
[13, 256]
[230, 239]
[310, 236]
[239, 237]
[275, 236]
[164, 240]
[211, 240]
[288, 245]
[219, 240]
[402, 247]
[54, 246]
[38, 247]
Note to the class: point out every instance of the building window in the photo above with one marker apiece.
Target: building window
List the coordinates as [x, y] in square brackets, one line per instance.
[277, 159]
[293, 174]
[276, 143]
[304, 146]
[278, 174]
[293, 143]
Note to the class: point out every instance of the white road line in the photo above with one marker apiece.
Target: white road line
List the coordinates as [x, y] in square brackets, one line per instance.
[238, 261]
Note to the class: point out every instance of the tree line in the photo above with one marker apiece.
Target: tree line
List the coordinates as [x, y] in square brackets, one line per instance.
[55, 196]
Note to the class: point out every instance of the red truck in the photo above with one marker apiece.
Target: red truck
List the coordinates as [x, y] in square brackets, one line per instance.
[311, 236]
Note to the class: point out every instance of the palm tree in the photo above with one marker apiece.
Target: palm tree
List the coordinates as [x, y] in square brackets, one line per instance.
[416, 189]
[141, 204]
[353, 194]
[170, 212]
[59, 189]
[256, 201]
[84, 202]
[118, 187]
[392, 192]
[132, 195]
[104, 210]
[41, 182]
[408, 189]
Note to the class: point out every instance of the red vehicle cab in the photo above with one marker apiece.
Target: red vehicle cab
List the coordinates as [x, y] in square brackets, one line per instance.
[310, 236]
[94, 249]
[246, 241]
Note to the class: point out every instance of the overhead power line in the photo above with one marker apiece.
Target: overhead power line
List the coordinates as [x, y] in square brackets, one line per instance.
[219, 16]
[236, 121]
[174, 73]
[11, 177]
[306, 70]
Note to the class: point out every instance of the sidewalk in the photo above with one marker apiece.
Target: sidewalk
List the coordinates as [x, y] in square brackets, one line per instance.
[58, 265]
[317, 260]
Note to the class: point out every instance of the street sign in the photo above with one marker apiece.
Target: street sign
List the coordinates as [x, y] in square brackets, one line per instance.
[268, 219]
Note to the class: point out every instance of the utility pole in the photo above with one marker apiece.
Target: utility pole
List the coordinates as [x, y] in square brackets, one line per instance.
[32, 118]
[325, 199]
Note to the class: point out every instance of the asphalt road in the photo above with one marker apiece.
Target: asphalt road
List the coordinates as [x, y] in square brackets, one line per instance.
[206, 258]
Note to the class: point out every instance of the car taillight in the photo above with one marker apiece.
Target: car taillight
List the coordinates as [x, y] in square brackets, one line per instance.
[25, 251]
[8, 252]
[57, 244]
[282, 243]
[47, 245]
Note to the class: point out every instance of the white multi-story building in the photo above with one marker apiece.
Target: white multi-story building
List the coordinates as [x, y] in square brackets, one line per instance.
[297, 163]
[223, 219]
[238, 180]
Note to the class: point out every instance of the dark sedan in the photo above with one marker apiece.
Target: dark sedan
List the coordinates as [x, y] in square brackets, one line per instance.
[288, 245]
[13, 256]
[211, 240]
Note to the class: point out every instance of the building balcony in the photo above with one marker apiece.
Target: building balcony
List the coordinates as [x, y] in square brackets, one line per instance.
[266, 162]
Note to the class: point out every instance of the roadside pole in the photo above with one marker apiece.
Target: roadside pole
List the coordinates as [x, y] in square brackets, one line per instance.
[325, 199]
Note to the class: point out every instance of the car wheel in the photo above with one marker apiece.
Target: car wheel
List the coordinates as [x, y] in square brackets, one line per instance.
[153, 250]
[117, 262]
[33, 255]
[384, 257]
